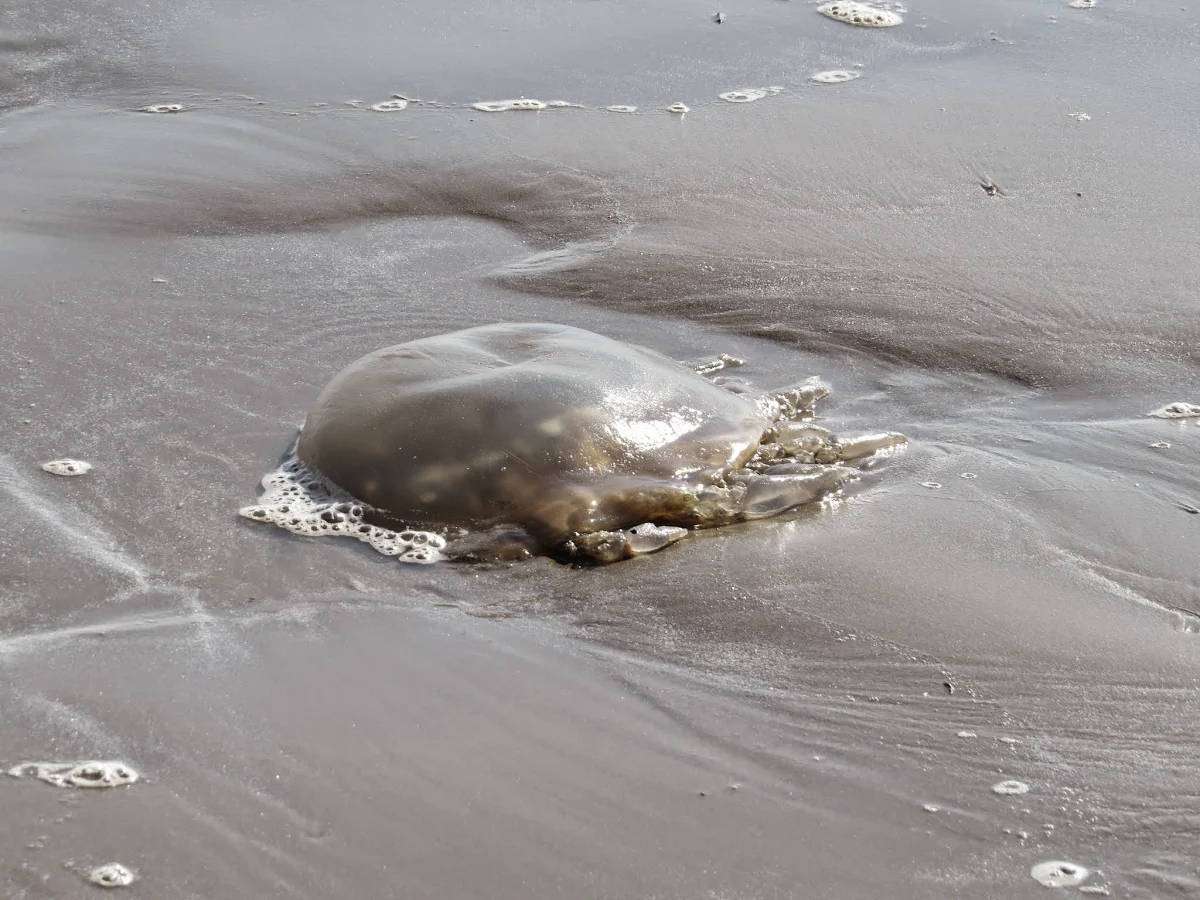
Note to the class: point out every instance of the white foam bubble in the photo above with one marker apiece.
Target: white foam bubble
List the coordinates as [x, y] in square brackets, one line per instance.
[561, 104]
[853, 13]
[87, 774]
[1082, 4]
[678, 108]
[1079, 116]
[747, 95]
[1058, 873]
[932, 485]
[834, 76]
[112, 875]
[299, 500]
[86, 537]
[967, 734]
[1177, 410]
[522, 103]
[968, 475]
[1008, 788]
[394, 105]
[67, 467]
[619, 108]
[162, 108]
[1159, 445]
[722, 361]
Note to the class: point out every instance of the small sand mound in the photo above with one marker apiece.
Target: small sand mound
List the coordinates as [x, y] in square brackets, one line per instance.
[859, 14]
[67, 467]
[300, 501]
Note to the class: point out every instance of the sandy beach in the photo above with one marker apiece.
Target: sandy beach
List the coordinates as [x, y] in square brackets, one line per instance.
[985, 242]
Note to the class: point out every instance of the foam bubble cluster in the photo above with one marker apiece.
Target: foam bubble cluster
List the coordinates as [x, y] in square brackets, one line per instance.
[1177, 411]
[834, 76]
[509, 105]
[112, 875]
[678, 108]
[621, 108]
[162, 108]
[67, 467]
[1009, 788]
[88, 774]
[748, 95]
[1082, 4]
[394, 105]
[299, 500]
[1058, 873]
[859, 14]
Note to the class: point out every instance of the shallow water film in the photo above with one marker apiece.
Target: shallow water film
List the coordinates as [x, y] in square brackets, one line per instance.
[972, 675]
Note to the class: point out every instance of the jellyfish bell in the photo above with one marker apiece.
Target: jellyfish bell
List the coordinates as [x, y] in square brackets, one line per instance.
[589, 446]
[530, 424]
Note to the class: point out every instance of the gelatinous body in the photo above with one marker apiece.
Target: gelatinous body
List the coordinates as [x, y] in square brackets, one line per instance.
[590, 446]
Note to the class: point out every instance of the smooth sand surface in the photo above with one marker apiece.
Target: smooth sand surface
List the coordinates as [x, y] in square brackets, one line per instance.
[310, 718]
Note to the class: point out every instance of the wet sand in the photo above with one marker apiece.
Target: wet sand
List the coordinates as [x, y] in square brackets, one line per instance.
[308, 717]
